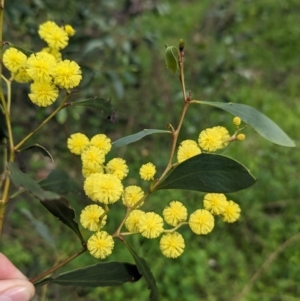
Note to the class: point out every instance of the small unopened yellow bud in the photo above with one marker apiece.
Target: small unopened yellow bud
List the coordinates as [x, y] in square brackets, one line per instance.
[240, 137]
[236, 121]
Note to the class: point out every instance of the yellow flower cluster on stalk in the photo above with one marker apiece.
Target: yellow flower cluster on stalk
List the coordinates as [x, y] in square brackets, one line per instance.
[46, 70]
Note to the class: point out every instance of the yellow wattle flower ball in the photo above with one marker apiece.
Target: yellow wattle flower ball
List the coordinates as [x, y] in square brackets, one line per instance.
[103, 188]
[172, 245]
[232, 212]
[175, 213]
[131, 195]
[92, 157]
[100, 244]
[215, 203]
[117, 167]
[69, 30]
[43, 94]
[147, 171]
[13, 59]
[90, 217]
[236, 121]
[77, 143]
[151, 225]
[21, 76]
[187, 149]
[133, 221]
[201, 221]
[240, 137]
[102, 142]
[214, 138]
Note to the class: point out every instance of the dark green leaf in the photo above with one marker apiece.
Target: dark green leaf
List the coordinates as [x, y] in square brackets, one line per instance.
[101, 274]
[3, 129]
[101, 104]
[25, 51]
[171, 59]
[145, 272]
[66, 214]
[258, 121]
[21, 179]
[135, 137]
[208, 173]
[40, 149]
[59, 181]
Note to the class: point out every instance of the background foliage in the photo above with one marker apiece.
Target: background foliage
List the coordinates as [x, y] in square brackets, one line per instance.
[239, 51]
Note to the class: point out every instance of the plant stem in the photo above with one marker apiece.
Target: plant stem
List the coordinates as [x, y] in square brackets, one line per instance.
[58, 266]
[61, 106]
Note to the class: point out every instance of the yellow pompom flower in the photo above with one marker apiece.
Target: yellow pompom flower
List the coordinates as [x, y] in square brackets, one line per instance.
[67, 74]
[240, 137]
[215, 203]
[117, 167]
[92, 157]
[175, 213]
[90, 217]
[53, 35]
[187, 149]
[236, 121]
[201, 221]
[55, 52]
[232, 212]
[91, 169]
[69, 30]
[151, 225]
[131, 195]
[102, 142]
[43, 94]
[100, 244]
[133, 220]
[21, 76]
[13, 59]
[103, 188]
[77, 143]
[147, 171]
[40, 66]
[172, 245]
[212, 139]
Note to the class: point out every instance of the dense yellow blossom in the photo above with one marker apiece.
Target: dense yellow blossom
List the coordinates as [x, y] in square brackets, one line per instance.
[133, 220]
[232, 212]
[201, 221]
[77, 143]
[147, 171]
[13, 59]
[175, 213]
[117, 167]
[90, 217]
[187, 149]
[131, 195]
[151, 225]
[102, 142]
[212, 139]
[215, 203]
[172, 244]
[100, 244]
[43, 94]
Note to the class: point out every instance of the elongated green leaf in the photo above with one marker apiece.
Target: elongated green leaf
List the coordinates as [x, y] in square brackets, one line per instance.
[208, 173]
[146, 273]
[135, 137]
[21, 179]
[258, 121]
[64, 212]
[40, 149]
[104, 105]
[59, 181]
[101, 274]
[171, 59]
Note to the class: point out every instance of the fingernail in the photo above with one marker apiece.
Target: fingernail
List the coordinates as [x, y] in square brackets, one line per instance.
[16, 294]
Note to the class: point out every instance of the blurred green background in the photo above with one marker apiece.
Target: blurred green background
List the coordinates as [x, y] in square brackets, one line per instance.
[236, 51]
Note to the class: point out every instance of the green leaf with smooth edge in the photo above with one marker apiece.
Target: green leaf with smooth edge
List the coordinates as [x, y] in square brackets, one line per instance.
[171, 59]
[59, 181]
[39, 148]
[21, 179]
[208, 173]
[263, 125]
[101, 274]
[146, 273]
[101, 104]
[64, 212]
[135, 137]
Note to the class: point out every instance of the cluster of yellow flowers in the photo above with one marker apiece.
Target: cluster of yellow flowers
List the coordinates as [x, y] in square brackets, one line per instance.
[103, 185]
[209, 140]
[46, 69]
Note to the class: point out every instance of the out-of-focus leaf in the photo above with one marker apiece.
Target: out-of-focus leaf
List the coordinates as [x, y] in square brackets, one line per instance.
[101, 274]
[146, 273]
[59, 181]
[135, 137]
[171, 59]
[41, 229]
[25, 51]
[40, 149]
[263, 125]
[208, 173]
[64, 212]
[3, 129]
[21, 179]
[101, 104]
